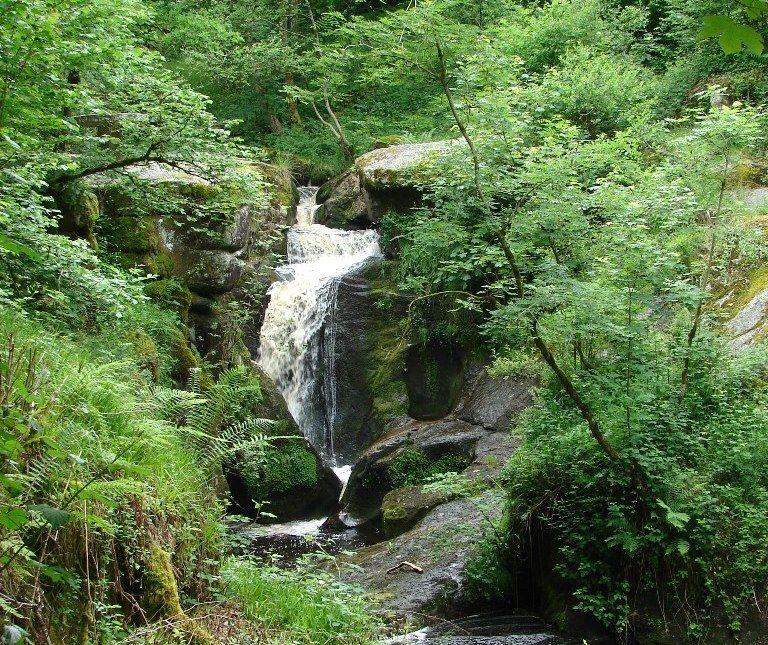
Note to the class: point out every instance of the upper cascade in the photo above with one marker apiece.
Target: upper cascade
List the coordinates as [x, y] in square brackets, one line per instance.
[298, 337]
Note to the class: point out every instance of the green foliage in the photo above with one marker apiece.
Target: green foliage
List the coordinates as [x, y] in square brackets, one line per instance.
[286, 466]
[488, 577]
[412, 467]
[307, 605]
[705, 510]
[87, 467]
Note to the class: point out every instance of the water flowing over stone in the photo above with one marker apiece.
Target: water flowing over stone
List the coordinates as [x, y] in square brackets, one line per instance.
[298, 337]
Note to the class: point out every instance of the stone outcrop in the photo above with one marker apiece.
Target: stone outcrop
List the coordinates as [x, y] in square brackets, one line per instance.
[407, 454]
[750, 322]
[433, 378]
[473, 440]
[380, 181]
[440, 528]
[443, 544]
[211, 238]
[354, 424]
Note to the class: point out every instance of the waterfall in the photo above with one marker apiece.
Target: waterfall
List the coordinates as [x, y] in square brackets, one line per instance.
[298, 337]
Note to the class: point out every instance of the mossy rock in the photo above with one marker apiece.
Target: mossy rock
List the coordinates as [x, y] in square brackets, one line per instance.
[184, 358]
[387, 347]
[403, 507]
[161, 601]
[162, 264]
[400, 166]
[79, 207]
[130, 234]
[284, 191]
[161, 593]
[288, 466]
[434, 376]
[290, 479]
[170, 293]
[208, 272]
[342, 203]
[146, 352]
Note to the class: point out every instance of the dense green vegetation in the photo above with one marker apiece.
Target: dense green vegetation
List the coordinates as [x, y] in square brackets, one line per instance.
[588, 223]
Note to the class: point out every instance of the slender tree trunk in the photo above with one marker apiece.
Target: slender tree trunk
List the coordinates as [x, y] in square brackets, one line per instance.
[703, 283]
[544, 351]
[287, 18]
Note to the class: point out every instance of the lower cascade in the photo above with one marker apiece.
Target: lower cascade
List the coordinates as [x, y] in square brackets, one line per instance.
[298, 337]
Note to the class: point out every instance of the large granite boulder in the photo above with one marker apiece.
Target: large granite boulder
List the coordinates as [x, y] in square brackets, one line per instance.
[404, 165]
[443, 544]
[380, 181]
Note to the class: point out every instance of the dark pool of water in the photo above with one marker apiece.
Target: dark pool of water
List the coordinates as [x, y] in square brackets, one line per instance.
[286, 543]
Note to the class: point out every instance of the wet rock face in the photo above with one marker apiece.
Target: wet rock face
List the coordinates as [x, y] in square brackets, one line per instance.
[442, 544]
[342, 203]
[434, 378]
[493, 403]
[354, 426]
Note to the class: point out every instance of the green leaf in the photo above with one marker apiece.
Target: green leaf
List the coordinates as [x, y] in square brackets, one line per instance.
[755, 8]
[19, 249]
[731, 35]
[56, 517]
[13, 518]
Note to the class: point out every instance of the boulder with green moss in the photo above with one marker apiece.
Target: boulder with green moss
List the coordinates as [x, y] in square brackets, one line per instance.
[79, 208]
[342, 203]
[408, 454]
[381, 180]
[403, 507]
[290, 479]
[216, 239]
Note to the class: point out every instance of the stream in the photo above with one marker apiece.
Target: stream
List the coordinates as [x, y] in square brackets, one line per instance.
[298, 350]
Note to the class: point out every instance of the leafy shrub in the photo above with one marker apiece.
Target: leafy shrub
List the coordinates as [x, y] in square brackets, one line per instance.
[695, 533]
[601, 92]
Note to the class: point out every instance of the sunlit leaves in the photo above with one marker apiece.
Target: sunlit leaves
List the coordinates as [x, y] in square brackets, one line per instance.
[732, 36]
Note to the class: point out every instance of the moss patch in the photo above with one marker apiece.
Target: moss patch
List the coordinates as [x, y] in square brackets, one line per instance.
[172, 294]
[146, 352]
[412, 467]
[402, 508]
[387, 345]
[289, 466]
[130, 234]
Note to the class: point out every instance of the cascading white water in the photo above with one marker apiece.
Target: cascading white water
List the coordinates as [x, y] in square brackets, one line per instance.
[297, 345]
